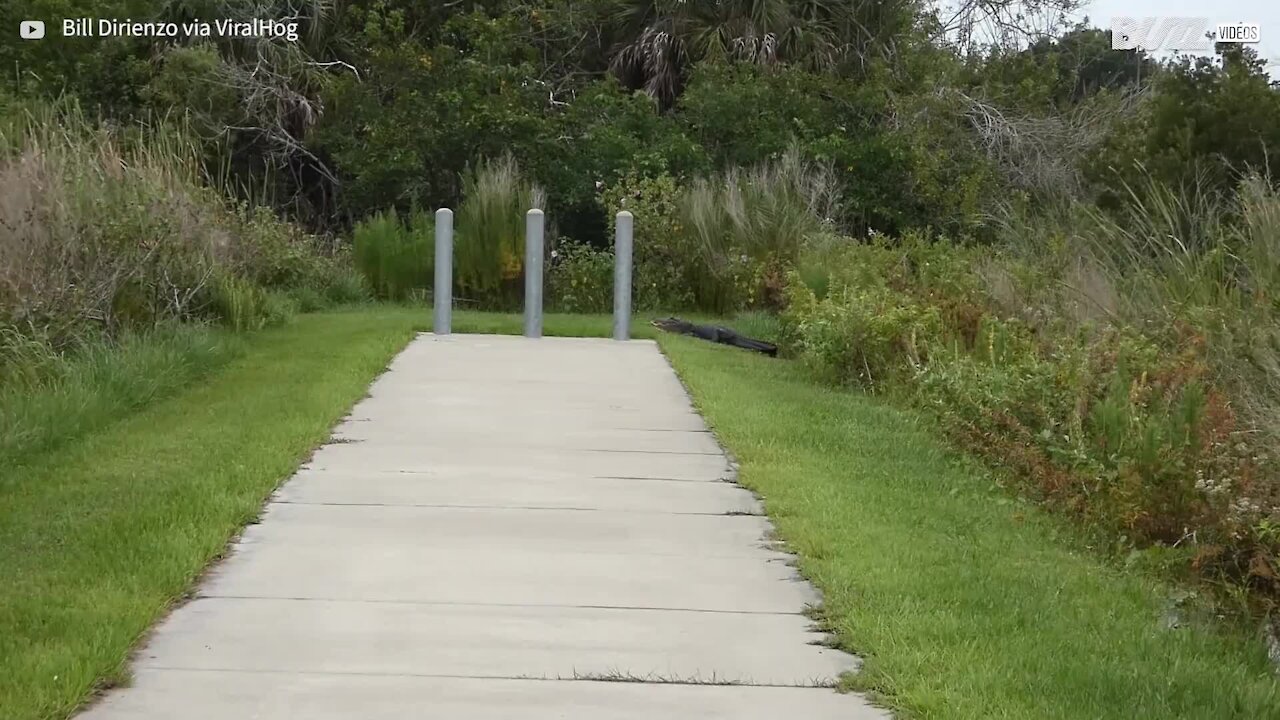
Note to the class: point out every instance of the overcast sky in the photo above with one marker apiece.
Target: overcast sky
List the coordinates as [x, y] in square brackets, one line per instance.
[1264, 12]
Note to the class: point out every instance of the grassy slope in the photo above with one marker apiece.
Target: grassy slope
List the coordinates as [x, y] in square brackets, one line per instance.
[966, 604]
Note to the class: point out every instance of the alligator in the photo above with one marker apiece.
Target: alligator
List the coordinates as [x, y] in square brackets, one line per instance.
[715, 334]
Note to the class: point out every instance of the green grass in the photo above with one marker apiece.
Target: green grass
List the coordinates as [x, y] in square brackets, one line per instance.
[98, 538]
[72, 396]
[964, 602]
[587, 325]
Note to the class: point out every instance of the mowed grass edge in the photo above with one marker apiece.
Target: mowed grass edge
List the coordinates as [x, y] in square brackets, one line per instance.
[99, 538]
[963, 602]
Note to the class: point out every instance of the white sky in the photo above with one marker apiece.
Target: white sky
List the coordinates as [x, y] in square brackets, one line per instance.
[1264, 12]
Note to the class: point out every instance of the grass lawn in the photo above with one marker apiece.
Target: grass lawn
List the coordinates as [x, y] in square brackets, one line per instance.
[965, 603]
[100, 535]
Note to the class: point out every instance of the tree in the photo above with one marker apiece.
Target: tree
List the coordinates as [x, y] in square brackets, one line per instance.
[255, 99]
[1209, 120]
[658, 41]
[402, 133]
[1057, 73]
[901, 163]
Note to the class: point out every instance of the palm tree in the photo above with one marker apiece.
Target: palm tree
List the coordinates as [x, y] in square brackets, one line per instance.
[659, 39]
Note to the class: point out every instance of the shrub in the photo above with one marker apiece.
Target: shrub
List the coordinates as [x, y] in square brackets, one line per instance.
[113, 230]
[99, 235]
[307, 299]
[580, 279]
[270, 252]
[864, 336]
[345, 285]
[902, 162]
[937, 273]
[244, 306]
[405, 128]
[662, 265]
[819, 256]
[395, 259]
[1207, 120]
[1124, 377]
[604, 133]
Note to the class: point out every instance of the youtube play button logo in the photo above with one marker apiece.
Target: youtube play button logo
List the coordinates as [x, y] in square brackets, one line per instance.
[31, 30]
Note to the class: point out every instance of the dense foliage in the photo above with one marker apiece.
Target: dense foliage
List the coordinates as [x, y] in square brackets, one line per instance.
[106, 233]
[1130, 384]
[383, 104]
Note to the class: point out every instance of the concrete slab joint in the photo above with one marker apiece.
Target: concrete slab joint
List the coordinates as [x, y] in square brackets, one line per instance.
[505, 527]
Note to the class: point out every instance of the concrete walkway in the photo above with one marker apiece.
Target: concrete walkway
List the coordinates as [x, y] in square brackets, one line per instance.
[504, 528]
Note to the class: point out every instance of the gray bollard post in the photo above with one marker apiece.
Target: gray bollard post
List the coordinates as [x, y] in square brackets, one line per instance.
[533, 228]
[443, 315]
[622, 276]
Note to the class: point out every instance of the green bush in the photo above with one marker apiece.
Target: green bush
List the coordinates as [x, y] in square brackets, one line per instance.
[345, 285]
[902, 162]
[1208, 120]
[871, 337]
[395, 259]
[663, 267]
[307, 299]
[580, 278]
[270, 252]
[420, 113]
[1122, 432]
[605, 133]
[244, 306]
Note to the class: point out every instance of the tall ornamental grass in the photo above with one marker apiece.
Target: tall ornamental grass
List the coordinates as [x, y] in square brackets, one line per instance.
[489, 247]
[742, 220]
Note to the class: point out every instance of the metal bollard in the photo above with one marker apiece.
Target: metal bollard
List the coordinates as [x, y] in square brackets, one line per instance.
[533, 229]
[443, 315]
[622, 276]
